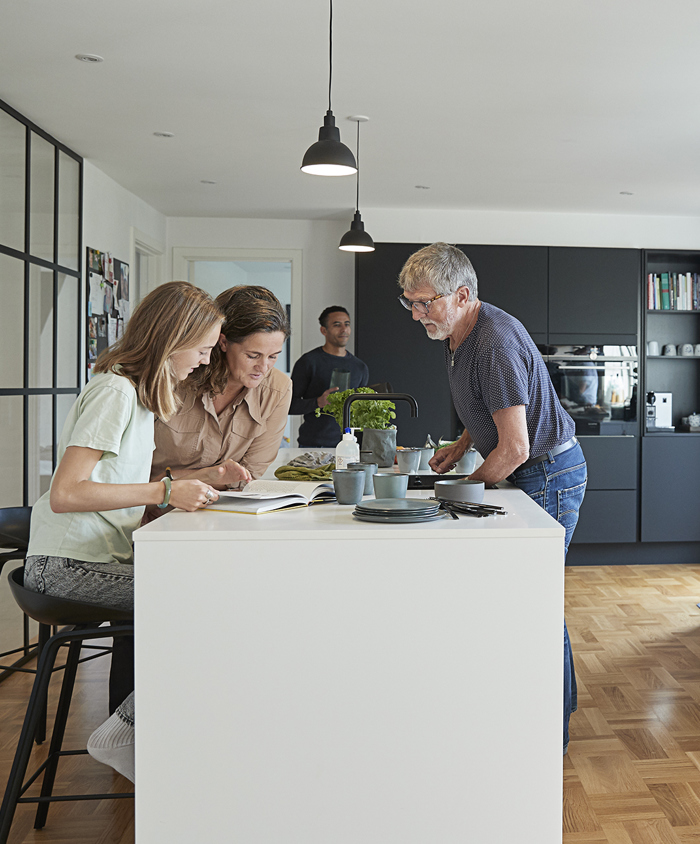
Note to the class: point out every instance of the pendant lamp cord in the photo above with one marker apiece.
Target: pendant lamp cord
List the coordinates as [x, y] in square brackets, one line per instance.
[330, 56]
[357, 205]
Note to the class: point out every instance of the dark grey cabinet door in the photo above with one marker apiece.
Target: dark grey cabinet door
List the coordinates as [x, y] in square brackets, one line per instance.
[612, 462]
[514, 278]
[593, 292]
[607, 516]
[670, 488]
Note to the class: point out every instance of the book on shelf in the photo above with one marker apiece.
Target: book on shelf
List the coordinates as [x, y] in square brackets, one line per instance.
[267, 496]
[673, 291]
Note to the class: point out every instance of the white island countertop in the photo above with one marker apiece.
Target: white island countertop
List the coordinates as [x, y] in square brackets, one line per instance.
[306, 678]
[321, 522]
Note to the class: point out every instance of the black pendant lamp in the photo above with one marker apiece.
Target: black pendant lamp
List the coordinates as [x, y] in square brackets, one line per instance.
[357, 239]
[328, 156]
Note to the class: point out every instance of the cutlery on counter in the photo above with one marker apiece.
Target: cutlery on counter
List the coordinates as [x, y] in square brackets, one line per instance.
[478, 510]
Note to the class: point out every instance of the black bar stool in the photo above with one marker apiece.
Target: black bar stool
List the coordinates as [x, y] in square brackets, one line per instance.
[84, 620]
[14, 539]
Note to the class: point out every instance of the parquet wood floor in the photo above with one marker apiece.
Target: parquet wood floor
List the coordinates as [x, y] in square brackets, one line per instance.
[86, 822]
[632, 774]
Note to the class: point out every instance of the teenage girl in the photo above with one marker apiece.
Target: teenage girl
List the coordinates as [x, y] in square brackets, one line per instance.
[80, 543]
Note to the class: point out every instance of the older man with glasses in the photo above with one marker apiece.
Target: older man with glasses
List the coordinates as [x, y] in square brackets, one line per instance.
[503, 396]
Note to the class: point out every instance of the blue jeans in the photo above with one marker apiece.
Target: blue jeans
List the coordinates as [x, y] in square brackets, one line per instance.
[558, 485]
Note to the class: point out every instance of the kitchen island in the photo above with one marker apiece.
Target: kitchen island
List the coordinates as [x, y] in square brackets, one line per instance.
[306, 678]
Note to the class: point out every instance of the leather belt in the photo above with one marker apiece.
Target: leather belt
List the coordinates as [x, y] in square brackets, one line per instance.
[549, 455]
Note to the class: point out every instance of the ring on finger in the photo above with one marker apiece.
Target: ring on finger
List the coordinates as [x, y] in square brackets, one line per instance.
[209, 495]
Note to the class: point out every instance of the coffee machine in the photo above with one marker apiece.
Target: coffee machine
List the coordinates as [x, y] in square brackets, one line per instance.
[659, 412]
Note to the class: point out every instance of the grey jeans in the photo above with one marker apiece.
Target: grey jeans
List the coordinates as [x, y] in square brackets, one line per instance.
[106, 584]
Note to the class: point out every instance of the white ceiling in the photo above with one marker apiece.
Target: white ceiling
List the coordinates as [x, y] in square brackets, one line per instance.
[548, 105]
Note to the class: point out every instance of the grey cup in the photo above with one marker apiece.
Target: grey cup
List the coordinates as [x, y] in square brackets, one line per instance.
[408, 460]
[349, 485]
[425, 454]
[390, 485]
[467, 463]
[369, 469]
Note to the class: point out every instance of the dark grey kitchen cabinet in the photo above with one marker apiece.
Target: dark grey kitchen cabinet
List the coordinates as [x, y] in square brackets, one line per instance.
[612, 462]
[514, 278]
[607, 516]
[593, 295]
[670, 488]
[609, 510]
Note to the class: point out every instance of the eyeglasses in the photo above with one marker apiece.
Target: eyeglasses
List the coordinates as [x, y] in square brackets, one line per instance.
[420, 307]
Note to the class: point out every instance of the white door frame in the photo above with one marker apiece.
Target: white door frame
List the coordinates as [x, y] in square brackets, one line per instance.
[141, 242]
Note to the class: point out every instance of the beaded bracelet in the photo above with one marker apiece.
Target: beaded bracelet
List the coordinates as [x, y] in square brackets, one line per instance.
[168, 487]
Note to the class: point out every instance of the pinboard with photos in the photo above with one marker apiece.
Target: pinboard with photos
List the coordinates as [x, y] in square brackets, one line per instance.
[107, 303]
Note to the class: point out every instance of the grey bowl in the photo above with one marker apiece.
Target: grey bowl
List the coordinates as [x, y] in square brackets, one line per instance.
[460, 489]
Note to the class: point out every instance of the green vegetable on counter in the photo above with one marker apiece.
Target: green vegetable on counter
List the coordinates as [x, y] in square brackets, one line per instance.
[363, 414]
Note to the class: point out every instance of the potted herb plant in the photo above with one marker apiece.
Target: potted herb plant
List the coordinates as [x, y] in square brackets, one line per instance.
[373, 417]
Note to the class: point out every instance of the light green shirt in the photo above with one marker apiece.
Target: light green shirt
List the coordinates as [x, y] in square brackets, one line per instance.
[106, 416]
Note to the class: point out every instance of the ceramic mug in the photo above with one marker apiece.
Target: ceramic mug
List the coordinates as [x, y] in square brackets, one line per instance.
[697, 350]
[652, 348]
[390, 485]
[425, 455]
[408, 460]
[369, 469]
[669, 350]
[349, 485]
[467, 463]
[686, 350]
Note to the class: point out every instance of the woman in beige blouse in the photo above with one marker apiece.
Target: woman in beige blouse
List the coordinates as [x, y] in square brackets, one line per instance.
[234, 411]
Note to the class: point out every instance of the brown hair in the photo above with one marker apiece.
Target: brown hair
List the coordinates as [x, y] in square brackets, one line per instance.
[174, 317]
[247, 310]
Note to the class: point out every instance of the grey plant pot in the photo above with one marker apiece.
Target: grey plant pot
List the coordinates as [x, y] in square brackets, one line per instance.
[382, 444]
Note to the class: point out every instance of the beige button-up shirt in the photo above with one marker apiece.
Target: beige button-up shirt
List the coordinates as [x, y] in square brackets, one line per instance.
[248, 431]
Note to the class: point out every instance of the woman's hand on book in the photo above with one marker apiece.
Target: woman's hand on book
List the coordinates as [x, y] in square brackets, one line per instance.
[191, 495]
[228, 473]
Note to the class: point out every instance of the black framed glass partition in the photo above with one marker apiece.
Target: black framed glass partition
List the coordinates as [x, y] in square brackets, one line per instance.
[41, 188]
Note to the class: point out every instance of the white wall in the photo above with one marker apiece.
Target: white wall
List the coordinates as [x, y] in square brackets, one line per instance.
[532, 228]
[109, 213]
[328, 273]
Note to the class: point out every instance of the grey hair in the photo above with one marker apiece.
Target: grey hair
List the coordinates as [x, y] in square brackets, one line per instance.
[440, 266]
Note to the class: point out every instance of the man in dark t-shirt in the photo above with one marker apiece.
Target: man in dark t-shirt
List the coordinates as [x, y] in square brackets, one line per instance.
[503, 396]
[323, 371]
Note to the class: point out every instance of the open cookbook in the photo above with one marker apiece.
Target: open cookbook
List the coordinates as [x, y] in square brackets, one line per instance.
[266, 496]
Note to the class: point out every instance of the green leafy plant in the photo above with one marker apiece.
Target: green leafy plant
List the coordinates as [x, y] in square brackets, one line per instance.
[363, 414]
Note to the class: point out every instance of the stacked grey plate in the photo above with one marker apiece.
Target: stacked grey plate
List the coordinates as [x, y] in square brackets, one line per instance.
[398, 510]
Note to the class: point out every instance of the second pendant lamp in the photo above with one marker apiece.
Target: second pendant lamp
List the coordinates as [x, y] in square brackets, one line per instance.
[357, 239]
[328, 156]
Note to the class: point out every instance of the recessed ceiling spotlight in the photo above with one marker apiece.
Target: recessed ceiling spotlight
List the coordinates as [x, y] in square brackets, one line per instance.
[164, 134]
[626, 193]
[207, 182]
[89, 58]
[422, 187]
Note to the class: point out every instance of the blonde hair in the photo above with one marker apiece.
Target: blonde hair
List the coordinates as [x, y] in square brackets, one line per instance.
[174, 317]
[247, 309]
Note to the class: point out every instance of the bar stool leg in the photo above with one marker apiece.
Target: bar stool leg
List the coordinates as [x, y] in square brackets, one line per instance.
[59, 730]
[26, 739]
[44, 636]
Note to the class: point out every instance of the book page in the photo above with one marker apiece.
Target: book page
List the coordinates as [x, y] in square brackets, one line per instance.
[272, 488]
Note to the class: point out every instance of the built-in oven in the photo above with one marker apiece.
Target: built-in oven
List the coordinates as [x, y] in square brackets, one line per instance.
[597, 385]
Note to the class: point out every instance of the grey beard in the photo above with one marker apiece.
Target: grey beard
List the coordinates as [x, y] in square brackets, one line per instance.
[440, 332]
